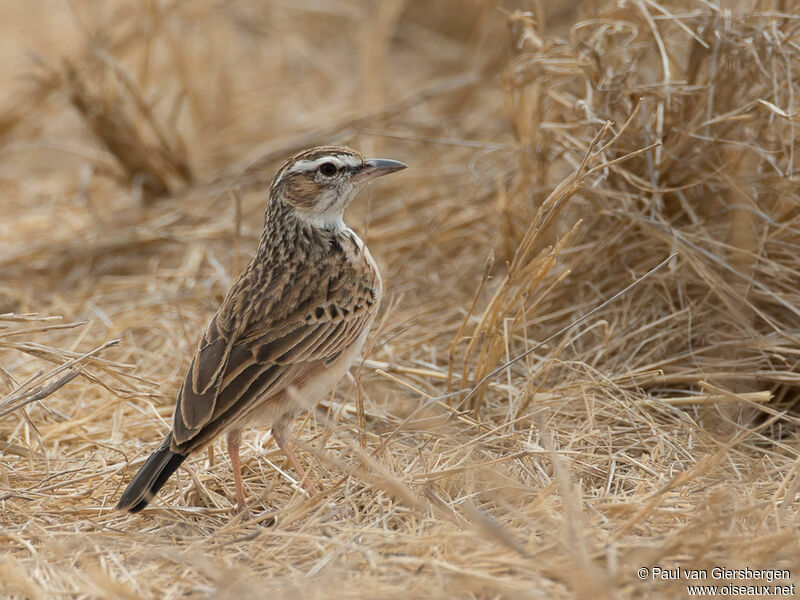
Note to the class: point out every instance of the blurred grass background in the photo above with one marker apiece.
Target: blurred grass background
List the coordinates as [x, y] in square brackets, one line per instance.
[557, 152]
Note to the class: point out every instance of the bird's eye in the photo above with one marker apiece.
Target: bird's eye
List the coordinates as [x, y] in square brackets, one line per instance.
[328, 169]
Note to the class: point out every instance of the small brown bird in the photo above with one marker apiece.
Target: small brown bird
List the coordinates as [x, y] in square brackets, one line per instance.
[290, 326]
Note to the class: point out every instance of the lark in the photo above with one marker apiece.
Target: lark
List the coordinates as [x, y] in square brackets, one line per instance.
[288, 329]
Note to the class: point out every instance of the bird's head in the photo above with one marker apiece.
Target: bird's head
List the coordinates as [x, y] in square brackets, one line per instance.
[321, 182]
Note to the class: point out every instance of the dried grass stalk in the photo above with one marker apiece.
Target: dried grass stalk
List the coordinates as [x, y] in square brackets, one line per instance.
[660, 429]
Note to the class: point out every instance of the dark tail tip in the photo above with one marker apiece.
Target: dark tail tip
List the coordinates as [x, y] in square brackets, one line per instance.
[151, 477]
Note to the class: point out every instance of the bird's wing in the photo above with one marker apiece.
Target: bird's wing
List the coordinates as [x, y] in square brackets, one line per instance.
[238, 366]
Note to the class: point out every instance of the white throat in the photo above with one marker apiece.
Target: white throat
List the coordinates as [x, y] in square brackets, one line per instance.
[329, 212]
[331, 221]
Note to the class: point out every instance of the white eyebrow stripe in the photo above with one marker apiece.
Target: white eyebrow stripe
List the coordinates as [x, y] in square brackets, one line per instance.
[341, 160]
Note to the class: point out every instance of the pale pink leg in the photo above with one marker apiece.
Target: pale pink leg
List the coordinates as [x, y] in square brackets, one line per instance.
[234, 438]
[279, 433]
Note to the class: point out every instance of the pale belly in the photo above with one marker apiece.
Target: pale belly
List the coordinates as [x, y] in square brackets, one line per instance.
[296, 399]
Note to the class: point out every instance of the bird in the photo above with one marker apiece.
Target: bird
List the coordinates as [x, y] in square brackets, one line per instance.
[288, 329]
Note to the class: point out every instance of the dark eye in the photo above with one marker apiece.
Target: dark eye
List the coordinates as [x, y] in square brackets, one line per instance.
[328, 169]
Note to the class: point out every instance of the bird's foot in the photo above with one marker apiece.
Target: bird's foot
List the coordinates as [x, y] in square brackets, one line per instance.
[265, 518]
[243, 512]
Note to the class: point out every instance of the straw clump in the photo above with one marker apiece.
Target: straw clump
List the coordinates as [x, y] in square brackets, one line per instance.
[554, 160]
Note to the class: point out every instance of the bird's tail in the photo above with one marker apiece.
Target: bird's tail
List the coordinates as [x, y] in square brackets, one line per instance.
[151, 477]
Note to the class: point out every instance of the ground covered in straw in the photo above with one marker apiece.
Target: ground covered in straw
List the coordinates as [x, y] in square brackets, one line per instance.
[555, 158]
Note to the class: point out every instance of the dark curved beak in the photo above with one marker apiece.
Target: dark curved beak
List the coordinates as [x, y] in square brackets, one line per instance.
[378, 167]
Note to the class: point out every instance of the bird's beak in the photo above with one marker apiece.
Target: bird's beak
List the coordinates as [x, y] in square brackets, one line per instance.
[378, 167]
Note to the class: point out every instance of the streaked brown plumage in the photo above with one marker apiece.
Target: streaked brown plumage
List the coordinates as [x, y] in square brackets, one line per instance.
[289, 327]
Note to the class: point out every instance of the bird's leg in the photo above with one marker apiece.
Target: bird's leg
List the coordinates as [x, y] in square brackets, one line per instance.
[234, 438]
[279, 433]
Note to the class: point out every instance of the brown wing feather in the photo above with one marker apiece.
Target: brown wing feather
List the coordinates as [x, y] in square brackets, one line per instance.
[198, 393]
[236, 366]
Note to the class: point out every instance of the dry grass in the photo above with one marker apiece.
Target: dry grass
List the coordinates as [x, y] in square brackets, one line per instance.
[554, 159]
